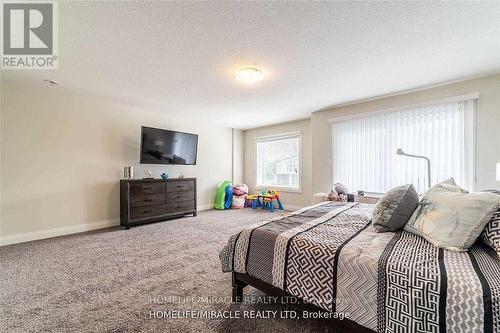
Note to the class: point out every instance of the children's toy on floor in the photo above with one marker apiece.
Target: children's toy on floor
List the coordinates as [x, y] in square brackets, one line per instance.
[239, 196]
[220, 197]
[229, 197]
[252, 201]
[267, 200]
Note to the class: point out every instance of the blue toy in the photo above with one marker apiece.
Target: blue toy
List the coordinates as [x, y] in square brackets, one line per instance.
[229, 197]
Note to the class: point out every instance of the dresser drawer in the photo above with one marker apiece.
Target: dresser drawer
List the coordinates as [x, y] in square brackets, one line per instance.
[147, 188]
[152, 200]
[181, 206]
[180, 196]
[181, 185]
[147, 211]
[147, 200]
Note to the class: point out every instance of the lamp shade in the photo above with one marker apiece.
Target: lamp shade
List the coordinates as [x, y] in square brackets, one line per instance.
[498, 171]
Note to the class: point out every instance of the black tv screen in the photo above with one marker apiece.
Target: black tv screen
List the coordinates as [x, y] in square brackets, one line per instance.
[160, 146]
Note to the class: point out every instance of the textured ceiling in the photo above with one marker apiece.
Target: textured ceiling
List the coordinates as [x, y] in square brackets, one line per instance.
[179, 58]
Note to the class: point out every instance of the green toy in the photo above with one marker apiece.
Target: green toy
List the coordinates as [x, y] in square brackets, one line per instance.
[220, 197]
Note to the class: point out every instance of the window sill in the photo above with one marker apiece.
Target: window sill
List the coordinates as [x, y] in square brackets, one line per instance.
[279, 188]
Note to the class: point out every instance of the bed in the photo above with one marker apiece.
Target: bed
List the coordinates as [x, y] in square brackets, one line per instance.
[330, 256]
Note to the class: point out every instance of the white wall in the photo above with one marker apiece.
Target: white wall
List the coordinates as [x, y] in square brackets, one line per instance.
[488, 127]
[317, 144]
[290, 199]
[1, 156]
[238, 156]
[63, 156]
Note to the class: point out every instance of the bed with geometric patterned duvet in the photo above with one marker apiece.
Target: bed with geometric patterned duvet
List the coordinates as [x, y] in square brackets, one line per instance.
[330, 256]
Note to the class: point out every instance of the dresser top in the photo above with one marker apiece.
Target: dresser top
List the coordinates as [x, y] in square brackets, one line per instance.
[155, 180]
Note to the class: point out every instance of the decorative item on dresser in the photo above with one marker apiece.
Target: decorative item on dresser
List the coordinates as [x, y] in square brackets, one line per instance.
[152, 200]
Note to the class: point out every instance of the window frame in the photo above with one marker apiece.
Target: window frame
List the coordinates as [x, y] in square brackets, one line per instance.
[277, 137]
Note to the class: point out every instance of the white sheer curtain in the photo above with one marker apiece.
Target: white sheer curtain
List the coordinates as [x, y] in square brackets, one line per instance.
[364, 149]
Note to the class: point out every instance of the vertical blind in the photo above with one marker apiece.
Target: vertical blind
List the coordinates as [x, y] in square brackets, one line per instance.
[364, 149]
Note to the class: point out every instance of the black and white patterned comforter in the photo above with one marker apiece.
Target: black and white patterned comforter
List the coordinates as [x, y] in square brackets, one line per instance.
[330, 255]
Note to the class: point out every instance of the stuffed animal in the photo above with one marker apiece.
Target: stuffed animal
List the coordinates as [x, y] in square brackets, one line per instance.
[332, 196]
[340, 188]
[335, 196]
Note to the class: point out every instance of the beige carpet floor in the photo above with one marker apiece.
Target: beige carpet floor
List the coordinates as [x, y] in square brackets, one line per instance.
[110, 280]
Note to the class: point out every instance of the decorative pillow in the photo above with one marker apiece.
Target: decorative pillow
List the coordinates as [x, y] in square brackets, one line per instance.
[395, 208]
[450, 218]
[450, 185]
[340, 188]
[491, 233]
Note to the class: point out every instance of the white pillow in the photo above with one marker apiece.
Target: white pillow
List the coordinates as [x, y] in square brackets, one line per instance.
[450, 218]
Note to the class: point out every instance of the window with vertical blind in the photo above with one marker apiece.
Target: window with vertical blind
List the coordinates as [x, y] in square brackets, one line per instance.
[278, 161]
[364, 149]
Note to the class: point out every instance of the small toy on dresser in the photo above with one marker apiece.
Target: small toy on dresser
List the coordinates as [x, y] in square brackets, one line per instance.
[148, 174]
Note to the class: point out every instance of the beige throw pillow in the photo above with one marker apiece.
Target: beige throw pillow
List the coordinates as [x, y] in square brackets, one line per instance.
[450, 218]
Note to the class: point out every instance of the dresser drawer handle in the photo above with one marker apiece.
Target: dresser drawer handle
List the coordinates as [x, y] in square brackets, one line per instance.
[180, 186]
[147, 188]
[147, 211]
[178, 196]
[146, 200]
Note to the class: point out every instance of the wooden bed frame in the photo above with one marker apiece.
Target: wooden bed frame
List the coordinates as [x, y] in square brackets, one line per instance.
[240, 281]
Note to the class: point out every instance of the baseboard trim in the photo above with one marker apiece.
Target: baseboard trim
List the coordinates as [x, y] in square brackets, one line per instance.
[205, 207]
[62, 231]
[55, 232]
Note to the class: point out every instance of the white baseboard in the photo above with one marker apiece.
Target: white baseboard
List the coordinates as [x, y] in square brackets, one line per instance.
[61, 231]
[205, 207]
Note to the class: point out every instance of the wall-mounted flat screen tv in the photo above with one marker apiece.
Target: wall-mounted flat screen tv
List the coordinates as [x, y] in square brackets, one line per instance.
[159, 146]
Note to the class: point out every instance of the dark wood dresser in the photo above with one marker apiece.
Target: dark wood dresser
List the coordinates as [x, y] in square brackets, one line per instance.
[151, 200]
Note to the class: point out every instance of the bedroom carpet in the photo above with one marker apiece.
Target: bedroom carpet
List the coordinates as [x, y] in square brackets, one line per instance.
[110, 280]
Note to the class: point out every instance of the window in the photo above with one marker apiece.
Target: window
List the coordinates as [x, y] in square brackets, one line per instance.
[364, 149]
[278, 161]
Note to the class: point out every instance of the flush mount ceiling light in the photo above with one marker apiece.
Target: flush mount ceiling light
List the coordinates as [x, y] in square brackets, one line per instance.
[249, 75]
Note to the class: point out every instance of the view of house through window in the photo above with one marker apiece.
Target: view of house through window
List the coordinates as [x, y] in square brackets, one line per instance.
[278, 161]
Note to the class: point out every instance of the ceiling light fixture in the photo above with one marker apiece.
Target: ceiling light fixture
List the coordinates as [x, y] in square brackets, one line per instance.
[249, 75]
